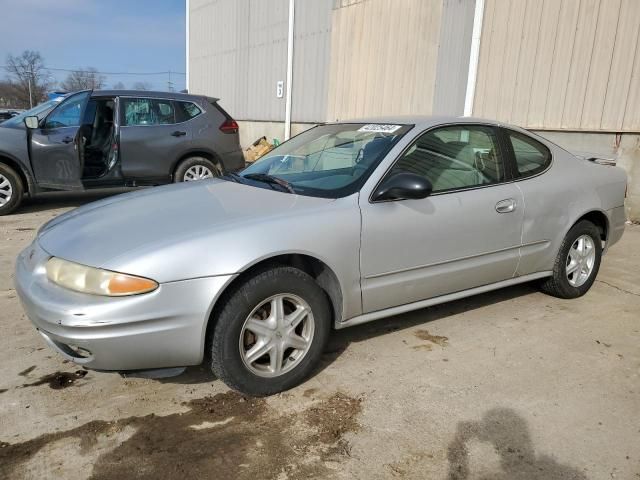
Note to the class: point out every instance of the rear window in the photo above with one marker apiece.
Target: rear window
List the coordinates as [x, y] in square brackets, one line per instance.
[531, 156]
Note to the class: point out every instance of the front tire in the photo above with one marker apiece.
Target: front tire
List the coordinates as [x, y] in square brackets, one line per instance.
[196, 168]
[11, 190]
[577, 263]
[271, 332]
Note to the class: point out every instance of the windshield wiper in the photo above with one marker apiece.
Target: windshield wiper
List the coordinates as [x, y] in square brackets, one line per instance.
[234, 177]
[271, 180]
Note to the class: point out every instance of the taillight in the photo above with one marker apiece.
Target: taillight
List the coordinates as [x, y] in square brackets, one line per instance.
[229, 126]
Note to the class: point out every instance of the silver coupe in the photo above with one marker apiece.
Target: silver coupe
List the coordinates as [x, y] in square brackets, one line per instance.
[344, 224]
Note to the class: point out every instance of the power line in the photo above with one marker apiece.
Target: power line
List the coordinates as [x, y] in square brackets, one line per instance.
[90, 72]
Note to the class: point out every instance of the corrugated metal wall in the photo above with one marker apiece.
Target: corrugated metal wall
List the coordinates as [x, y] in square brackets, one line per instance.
[453, 56]
[238, 52]
[383, 57]
[561, 64]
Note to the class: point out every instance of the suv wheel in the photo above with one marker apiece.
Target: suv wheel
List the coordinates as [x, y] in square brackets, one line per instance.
[271, 332]
[197, 168]
[11, 190]
[577, 263]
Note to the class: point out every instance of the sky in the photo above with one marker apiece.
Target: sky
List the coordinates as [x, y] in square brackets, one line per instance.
[110, 35]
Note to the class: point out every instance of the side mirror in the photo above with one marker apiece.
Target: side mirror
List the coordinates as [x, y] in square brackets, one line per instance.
[31, 122]
[403, 186]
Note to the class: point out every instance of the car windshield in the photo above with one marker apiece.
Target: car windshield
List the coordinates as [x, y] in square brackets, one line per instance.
[328, 161]
[40, 111]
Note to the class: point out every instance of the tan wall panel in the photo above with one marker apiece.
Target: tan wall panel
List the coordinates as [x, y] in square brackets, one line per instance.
[543, 62]
[600, 66]
[561, 64]
[383, 54]
[580, 62]
[617, 100]
[526, 60]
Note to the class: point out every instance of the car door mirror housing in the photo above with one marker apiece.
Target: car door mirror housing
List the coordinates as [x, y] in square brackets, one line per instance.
[403, 186]
[31, 122]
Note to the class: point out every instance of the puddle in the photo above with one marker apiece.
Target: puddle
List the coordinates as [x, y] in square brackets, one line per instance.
[58, 380]
[227, 435]
[425, 335]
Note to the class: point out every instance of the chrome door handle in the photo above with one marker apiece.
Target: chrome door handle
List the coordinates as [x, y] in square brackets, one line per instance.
[506, 206]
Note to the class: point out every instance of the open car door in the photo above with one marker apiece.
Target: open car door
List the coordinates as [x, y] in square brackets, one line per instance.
[55, 147]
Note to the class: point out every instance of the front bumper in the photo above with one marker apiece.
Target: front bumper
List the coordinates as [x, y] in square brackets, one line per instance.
[163, 328]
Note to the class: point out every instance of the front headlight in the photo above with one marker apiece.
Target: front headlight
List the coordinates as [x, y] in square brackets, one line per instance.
[96, 281]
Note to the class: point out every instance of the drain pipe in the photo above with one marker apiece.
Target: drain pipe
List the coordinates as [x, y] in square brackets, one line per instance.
[287, 112]
[474, 57]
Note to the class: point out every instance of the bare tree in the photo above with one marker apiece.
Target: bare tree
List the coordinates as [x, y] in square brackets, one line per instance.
[8, 97]
[28, 77]
[118, 86]
[142, 86]
[88, 79]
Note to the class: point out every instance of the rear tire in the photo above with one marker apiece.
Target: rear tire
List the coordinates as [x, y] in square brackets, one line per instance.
[251, 350]
[574, 271]
[196, 168]
[11, 189]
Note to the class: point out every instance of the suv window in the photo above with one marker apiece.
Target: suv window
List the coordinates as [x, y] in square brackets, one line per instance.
[186, 111]
[531, 156]
[147, 111]
[455, 157]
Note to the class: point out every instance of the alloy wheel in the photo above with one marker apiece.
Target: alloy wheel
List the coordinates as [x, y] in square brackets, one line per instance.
[580, 260]
[6, 191]
[277, 335]
[198, 172]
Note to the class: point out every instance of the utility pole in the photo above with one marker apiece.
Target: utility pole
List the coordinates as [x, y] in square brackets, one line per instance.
[170, 83]
[30, 94]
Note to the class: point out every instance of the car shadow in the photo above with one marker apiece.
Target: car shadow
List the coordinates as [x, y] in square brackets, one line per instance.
[508, 435]
[55, 200]
[341, 339]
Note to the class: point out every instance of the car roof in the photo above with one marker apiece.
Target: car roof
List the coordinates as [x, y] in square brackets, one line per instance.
[422, 120]
[147, 94]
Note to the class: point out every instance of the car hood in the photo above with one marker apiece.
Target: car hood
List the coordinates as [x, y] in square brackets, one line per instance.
[124, 230]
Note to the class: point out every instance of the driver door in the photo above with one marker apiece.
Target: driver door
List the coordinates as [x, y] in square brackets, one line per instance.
[56, 145]
[466, 234]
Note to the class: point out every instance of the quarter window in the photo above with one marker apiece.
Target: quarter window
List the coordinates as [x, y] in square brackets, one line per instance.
[455, 157]
[531, 156]
[186, 111]
[147, 111]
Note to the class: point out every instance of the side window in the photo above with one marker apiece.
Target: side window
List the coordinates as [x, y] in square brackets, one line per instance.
[455, 157]
[137, 111]
[68, 113]
[147, 111]
[164, 111]
[186, 111]
[531, 156]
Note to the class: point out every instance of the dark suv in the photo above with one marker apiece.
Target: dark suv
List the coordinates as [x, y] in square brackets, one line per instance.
[115, 138]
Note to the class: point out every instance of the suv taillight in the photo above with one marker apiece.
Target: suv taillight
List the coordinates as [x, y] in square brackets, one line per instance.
[229, 126]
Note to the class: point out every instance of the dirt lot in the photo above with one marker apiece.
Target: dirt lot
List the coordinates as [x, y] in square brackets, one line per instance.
[507, 385]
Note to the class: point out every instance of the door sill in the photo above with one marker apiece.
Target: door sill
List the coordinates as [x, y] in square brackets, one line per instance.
[388, 312]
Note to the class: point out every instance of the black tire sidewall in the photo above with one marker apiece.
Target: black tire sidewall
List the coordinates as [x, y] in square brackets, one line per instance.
[225, 353]
[581, 228]
[185, 165]
[16, 187]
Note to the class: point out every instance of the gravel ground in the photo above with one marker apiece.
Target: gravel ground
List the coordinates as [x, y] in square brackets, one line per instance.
[507, 385]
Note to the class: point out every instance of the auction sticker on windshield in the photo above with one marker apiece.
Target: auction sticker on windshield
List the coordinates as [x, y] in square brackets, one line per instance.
[379, 128]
